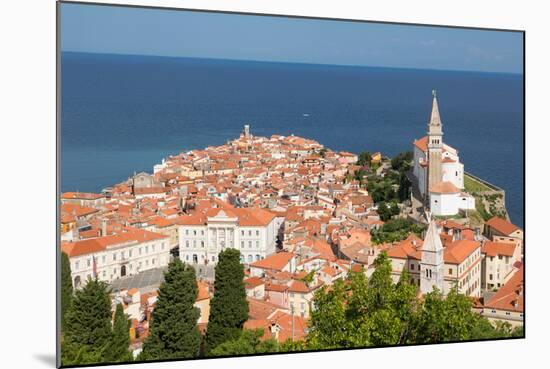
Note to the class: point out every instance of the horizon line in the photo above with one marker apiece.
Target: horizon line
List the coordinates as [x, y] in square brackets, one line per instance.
[289, 62]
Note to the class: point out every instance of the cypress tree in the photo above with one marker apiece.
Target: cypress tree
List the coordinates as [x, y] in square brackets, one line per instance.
[228, 308]
[173, 332]
[66, 288]
[88, 329]
[118, 350]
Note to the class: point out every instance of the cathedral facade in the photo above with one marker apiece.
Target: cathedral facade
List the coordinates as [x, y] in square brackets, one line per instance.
[438, 171]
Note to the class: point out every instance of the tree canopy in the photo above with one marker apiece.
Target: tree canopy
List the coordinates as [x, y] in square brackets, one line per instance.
[88, 329]
[66, 288]
[396, 230]
[249, 342]
[173, 332]
[228, 307]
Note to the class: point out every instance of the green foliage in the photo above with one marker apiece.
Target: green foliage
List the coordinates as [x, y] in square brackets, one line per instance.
[173, 332]
[387, 211]
[249, 342]
[88, 330]
[445, 319]
[404, 187]
[402, 162]
[364, 158]
[372, 312]
[472, 185]
[382, 188]
[118, 350]
[228, 307]
[396, 230]
[329, 324]
[292, 346]
[308, 278]
[363, 312]
[66, 288]
[359, 175]
[323, 152]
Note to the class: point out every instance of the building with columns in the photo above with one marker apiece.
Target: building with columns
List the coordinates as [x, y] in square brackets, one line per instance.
[203, 235]
[438, 171]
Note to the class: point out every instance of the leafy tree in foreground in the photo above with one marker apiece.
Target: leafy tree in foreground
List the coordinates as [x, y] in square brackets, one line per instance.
[88, 330]
[66, 288]
[328, 321]
[173, 332]
[362, 312]
[118, 350]
[249, 342]
[228, 308]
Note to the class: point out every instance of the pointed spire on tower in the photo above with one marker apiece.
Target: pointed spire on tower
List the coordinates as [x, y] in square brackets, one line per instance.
[432, 241]
[435, 118]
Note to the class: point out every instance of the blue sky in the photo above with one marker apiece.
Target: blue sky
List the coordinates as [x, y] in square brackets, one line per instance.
[123, 30]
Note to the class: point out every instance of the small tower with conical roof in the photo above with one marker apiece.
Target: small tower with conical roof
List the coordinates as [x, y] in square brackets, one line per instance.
[431, 264]
[435, 147]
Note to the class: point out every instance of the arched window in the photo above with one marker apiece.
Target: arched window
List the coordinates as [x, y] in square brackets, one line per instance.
[77, 281]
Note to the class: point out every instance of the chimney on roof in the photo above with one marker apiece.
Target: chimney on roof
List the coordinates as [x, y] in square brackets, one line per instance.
[104, 227]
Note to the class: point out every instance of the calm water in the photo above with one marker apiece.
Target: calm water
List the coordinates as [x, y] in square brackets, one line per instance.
[122, 114]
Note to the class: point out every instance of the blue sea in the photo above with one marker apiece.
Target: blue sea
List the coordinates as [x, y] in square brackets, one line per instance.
[122, 113]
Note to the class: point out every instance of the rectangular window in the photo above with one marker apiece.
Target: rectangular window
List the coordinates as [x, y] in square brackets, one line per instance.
[103, 259]
[257, 233]
[76, 265]
[450, 271]
[114, 256]
[130, 253]
[88, 262]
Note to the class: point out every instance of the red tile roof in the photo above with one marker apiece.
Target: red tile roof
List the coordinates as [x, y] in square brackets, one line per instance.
[94, 245]
[498, 248]
[81, 196]
[444, 188]
[502, 225]
[510, 296]
[459, 250]
[274, 262]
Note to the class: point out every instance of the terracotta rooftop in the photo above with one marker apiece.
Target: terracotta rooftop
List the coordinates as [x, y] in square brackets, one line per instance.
[509, 297]
[498, 248]
[274, 262]
[502, 225]
[444, 188]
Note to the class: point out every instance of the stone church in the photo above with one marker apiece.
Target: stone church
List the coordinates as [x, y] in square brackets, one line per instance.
[438, 171]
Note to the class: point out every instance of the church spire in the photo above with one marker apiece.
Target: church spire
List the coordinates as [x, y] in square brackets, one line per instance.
[434, 125]
[432, 261]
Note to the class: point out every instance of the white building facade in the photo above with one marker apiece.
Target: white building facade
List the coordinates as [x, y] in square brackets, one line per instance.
[115, 256]
[251, 231]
